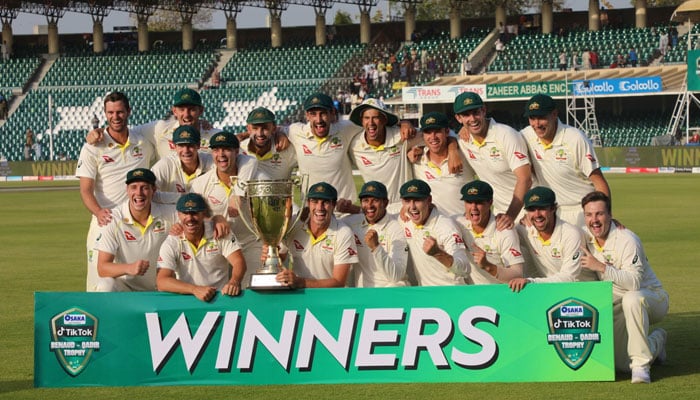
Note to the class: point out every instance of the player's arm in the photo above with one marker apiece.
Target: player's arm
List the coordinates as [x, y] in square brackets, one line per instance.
[523, 182]
[167, 282]
[87, 194]
[393, 262]
[107, 268]
[340, 275]
[454, 157]
[238, 268]
[600, 183]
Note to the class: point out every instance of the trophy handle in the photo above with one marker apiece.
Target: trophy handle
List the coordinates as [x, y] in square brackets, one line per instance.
[238, 204]
[302, 181]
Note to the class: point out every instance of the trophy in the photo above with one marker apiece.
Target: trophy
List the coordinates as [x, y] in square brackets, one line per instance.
[266, 210]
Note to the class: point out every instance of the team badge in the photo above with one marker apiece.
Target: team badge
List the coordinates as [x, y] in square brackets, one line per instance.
[73, 339]
[573, 331]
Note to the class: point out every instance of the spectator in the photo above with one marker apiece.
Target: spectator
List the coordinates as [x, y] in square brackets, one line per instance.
[3, 107]
[586, 59]
[594, 59]
[5, 50]
[663, 42]
[28, 144]
[500, 46]
[574, 61]
[466, 66]
[632, 57]
[562, 61]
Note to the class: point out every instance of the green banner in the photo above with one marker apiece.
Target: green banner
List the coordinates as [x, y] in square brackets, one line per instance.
[693, 70]
[547, 332]
[511, 90]
[39, 168]
[649, 156]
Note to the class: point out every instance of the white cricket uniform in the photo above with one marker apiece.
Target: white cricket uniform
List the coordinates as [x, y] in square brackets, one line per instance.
[444, 186]
[502, 152]
[203, 265]
[107, 164]
[171, 178]
[217, 196]
[128, 241]
[276, 165]
[564, 166]
[387, 163]
[427, 269]
[639, 300]
[160, 134]
[387, 265]
[557, 259]
[315, 258]
[327, 159]
[502, 248]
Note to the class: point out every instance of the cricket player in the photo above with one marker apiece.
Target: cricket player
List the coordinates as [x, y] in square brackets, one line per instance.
[498, 155]
[434, 242]
[175, 172]
[381, 245]
[562, 157]
[262, 144]
[494, 255]
[433, 166]
[102, 168]
[195, 262]
[322, 248]
[639, 300]
[553, 244]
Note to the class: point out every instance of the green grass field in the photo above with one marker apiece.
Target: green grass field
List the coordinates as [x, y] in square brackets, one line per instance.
[43, 242]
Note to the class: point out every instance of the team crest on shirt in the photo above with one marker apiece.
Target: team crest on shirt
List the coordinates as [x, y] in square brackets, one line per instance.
[394, 151]
[107, 159]
[555, 253]
[158, 227]
[560, 155]
[328, 245]
[129, 236]
[426, 234]
[336, 143]
[495, 154]
[186, 256]
[275, 159]
[137, 152]
[212, 247]
[298, 245]
[365, 161]
[307, 152]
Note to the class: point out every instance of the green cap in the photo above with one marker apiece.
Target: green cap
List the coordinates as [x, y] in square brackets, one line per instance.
[374, 189]
[187, 97]
[186, 134]
[140, 175]
[318, 100]
[467, 101]
[414, 189]
[539, 105]
[191, 202]
[322, 190]
[540, 196]
[476, 192]
[224, 139]
[356, 114]
[260, 115]
[434, 120]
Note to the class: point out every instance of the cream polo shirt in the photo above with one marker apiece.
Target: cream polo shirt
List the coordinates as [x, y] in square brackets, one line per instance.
[276, 165]
[502, 152]
[171, 178]
[444, 185]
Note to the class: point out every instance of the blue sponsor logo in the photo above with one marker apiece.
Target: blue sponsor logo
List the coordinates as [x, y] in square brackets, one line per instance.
[618, 86]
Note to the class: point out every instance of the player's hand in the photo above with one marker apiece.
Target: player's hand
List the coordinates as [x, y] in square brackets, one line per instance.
[372, 239]
[232, 288]
[232, 209]
[95, 136]
[504, 221]
[137, 268]
[221, 226]
[176, 229]
[517, 284]
[346, 206]
[204, 293]
[463, 134]
[414, 154]
[525, 221]
[286, 277]
[618, 224]
[281, 140]
[204, 125]
[408, 131]
[479, 256]
[403, 213]
[454, 159]
[589, 262]
[104, 216]
[430, 246]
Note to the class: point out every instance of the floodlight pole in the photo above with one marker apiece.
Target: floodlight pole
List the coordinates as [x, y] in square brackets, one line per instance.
[51, 158]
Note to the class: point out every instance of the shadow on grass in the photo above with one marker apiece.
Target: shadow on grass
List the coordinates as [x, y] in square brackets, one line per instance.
[682, 346]
[14, 386]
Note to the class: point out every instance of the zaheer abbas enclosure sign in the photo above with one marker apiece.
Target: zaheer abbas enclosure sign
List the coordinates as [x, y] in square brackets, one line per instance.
[547, 332]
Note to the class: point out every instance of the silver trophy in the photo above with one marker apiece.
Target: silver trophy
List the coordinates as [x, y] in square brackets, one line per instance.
[266, 210]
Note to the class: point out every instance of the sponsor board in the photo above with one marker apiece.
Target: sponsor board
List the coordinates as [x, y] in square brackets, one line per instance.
[439, 94]
[632, 85]
[482, 333]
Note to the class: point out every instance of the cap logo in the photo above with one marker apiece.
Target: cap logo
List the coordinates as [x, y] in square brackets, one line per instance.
[320, 189]
[185, 96]
[220, 138]
[472, 191]
[259, 114]
[412, 189]
[468, 101]
[190, 204]
[534, 106]
[138, 173]
[534, 198]
[315, 100]
[430, 120]
[370, 189]
[185, 135]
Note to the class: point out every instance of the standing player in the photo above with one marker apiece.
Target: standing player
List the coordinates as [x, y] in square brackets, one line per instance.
[261, 143]
[175, 172]
[433, 166]
[322, 248]
[102, 167]
[494, 255]
[639, 300]
[553, 244]
[562, 157]
[196, 263]
[381, 245]
[434, 243]
[498, 155]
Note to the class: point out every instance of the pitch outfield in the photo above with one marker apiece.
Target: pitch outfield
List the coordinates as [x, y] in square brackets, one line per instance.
[43, 239]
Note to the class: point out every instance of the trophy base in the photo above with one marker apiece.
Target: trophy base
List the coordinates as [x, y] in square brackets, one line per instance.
[266, 282]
